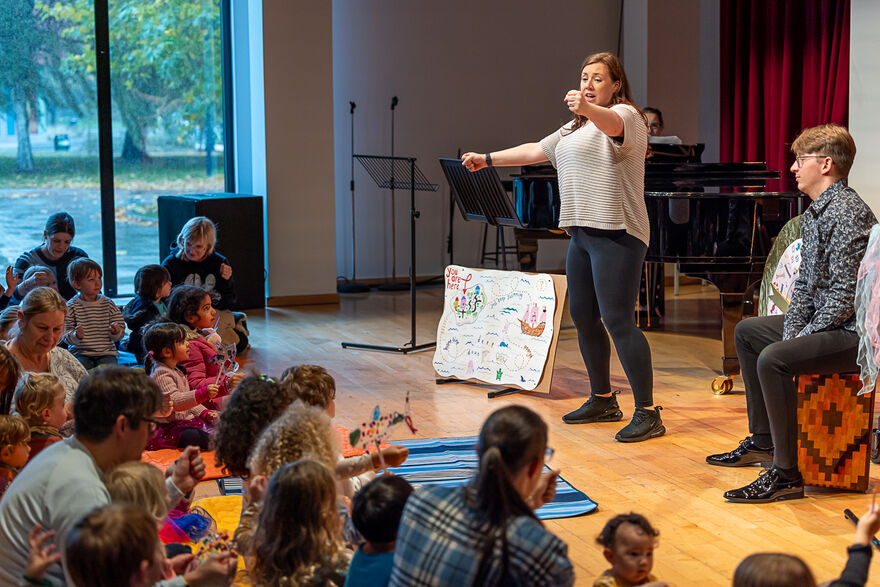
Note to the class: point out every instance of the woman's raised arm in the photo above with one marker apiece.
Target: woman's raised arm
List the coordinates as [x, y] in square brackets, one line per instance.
[524, 154]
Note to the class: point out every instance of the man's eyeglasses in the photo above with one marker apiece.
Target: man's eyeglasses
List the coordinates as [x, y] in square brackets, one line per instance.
[799, 160]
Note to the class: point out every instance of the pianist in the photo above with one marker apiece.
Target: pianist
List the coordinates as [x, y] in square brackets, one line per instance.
[817, 334]
[654, 122]
[600, 158]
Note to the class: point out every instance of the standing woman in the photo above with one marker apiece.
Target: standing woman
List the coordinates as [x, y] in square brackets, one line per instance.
[56, 253]
[600, 159]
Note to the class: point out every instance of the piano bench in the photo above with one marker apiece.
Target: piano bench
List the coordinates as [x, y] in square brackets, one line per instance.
[834, 431]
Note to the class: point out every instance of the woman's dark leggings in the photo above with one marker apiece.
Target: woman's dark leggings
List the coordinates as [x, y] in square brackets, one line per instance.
[603, 270]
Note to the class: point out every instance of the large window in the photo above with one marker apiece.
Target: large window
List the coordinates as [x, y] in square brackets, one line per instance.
[166, 107]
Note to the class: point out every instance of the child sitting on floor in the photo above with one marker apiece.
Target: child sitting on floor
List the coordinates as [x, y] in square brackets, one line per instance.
[40, 401]
[194, 261]
[93, 324]
[10, 372]
[152, 284]
[143, 485]
[191, 307]
[315, 386]
[628, 541]
[41, 271]
[376, 512]
[256, 402]
[118, 545]
[302, 431]
[14, 448]
[299, 542]
[191, 421]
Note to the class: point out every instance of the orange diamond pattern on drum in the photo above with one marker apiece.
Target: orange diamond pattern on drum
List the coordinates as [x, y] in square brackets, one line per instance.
[834, 431]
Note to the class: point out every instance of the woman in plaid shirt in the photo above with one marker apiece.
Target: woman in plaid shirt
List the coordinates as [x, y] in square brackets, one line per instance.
[486, 532]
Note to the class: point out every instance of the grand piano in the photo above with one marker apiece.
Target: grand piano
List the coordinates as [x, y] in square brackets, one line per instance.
[717, 221]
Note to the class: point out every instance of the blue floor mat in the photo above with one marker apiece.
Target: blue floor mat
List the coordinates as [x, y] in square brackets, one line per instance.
[453, 461]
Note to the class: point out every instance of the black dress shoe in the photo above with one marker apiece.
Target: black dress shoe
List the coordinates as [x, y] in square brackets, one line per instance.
[596, 409]
[746, 454]
[772, 485]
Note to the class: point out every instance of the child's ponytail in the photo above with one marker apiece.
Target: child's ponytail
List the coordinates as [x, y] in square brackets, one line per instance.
[159, 335]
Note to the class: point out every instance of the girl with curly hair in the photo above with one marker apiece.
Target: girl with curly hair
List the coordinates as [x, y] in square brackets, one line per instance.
[257, 400]
[302, 431]
[299, 542]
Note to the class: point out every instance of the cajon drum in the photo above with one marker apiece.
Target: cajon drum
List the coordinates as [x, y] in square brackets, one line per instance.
[834, 431]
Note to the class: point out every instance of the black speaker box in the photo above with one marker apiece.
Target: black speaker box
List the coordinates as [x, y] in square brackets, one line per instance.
[239, 220]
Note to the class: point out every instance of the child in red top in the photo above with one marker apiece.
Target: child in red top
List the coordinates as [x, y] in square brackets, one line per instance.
[191, 307]
[40, 402]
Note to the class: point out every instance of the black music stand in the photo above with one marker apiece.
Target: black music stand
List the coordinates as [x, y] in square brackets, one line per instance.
[481, 196]
[400, 173]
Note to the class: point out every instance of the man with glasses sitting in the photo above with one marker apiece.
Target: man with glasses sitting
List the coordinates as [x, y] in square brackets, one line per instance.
[817, 334]
[114, 410]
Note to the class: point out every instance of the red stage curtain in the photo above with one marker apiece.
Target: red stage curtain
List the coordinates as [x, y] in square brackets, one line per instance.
[784, 67]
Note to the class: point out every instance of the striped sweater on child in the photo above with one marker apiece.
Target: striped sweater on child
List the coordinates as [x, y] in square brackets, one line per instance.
[95, 318]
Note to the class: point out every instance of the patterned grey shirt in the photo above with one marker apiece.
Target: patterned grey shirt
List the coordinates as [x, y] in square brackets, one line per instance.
[835, 228]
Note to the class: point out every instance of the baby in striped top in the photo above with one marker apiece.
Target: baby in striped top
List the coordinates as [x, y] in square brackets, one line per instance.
[93, 324]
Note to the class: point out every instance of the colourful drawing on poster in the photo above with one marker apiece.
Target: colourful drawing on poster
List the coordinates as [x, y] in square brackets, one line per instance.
[496, 327]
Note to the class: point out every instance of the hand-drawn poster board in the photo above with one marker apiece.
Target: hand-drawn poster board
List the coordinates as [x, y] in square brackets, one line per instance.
[499, 328]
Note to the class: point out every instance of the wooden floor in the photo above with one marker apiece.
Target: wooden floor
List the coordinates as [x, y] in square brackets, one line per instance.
[702, 537]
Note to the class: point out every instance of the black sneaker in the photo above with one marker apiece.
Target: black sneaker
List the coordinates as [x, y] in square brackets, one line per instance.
[645, 424]
[596, 409]
[771, 486]
[745, 455]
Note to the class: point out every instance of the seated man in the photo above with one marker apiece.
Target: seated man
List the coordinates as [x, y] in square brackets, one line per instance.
[114, 413]
[817, 335]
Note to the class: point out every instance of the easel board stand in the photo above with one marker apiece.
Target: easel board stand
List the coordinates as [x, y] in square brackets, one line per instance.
[560, 287]
[388, 173]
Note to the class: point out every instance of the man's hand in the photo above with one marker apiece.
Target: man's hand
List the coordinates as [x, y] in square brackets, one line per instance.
[80, 332]
[188, 470]
[225, 271]
[115, 328]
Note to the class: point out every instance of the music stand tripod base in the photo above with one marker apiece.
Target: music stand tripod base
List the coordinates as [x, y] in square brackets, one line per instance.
[405, 349]
[492, 394]
[399, 173]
